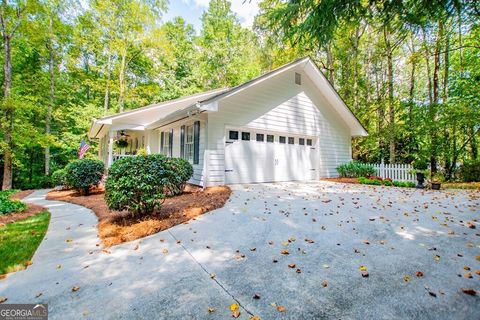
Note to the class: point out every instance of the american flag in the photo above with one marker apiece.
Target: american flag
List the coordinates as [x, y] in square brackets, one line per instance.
[83, 149]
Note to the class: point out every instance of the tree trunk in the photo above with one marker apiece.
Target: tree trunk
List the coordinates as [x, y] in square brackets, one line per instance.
[107, 88]
[330, 64]
[8, 125]
[121, 78]
[48, 117]
[391, 106]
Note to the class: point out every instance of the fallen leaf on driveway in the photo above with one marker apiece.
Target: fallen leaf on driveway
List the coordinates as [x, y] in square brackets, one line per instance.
[29, 263]
[363, 268]
[419, 274]
[407, 278]
[256, 296]
[291, 265]
[3, 299]
[233, 307]
[324, 284]
[284, 252]
[136, 247]
[309, 241]
[254, 318]
[366, 242]
[59, 266]
[165, 251]
[106, 251]
[281, 309]
[38, 294]
[75, 288]
[466, 268]
[298, 271]
[468, 275]
[469, 291]
[364, 274]
[211, 310]
[436, 257]
[212, 275]
[235, 314]
[253, 249]
[68, 240]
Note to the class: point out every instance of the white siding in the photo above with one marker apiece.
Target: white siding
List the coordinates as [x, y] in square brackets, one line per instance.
[280, 105]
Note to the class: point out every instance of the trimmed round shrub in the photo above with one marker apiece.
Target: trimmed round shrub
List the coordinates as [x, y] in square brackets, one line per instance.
[59, 177]
[139, 184]
[355, 169]
[470, 172]
[83, 174]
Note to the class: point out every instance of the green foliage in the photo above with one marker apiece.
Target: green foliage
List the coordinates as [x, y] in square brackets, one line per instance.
[121, 143]
[10, 206]
[470, 172]
[139, 184]
[19, 240]
[355, 169]
[83, 174]
[420, 164]
[59, 177]
[404, 184]
[375, 182]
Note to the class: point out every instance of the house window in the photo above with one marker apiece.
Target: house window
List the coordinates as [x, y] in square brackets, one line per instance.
[233, 135]
[270, 138]
[291, 140]
[309, 142]
[282, 139]
[301, 141]
[189, 143]
[246, 136]
[166, 143]
[260, 137]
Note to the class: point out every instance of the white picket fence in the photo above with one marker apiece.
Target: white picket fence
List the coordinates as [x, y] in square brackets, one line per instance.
[396, 171]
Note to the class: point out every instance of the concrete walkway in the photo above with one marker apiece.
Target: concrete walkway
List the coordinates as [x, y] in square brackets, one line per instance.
[233, 253]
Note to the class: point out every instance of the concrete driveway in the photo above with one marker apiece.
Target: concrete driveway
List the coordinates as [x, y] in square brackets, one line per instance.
[232, 254]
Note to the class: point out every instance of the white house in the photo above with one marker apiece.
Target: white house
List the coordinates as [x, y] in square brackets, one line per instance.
[288, 124]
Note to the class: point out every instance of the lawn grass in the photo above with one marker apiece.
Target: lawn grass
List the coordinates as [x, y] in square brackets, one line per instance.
[19, 240]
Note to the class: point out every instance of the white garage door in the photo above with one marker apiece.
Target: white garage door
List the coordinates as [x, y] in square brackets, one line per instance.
[252, 156]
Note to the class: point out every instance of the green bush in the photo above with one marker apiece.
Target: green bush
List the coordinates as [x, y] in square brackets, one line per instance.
[59, 177]
[355, 169]
[375, 182]
[387, 183]
[83, 174]
[470, 172]
[138, 184]
[404, 184]
[7, 205]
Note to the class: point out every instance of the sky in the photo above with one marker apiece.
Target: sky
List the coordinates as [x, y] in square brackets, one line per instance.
[191, 11]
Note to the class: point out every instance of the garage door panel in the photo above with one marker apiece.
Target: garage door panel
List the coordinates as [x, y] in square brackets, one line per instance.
[252, 161]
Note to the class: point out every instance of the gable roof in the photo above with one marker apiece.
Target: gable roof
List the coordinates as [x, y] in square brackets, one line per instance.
[156, 112]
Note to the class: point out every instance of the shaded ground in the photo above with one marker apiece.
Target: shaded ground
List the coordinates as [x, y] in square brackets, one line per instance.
[419, 248]
[115, 227]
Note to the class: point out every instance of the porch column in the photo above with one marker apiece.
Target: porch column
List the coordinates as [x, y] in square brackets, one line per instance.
[110, 148]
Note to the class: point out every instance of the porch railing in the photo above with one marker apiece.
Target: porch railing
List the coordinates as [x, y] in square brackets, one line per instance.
[120, 156]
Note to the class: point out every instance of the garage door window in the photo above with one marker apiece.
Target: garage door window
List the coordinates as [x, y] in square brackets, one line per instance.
[309, 142]
[281, 139]
[270, 138]
[260, 137]
[291, 140]
[301, 141]
[246, 136]
[233, 135]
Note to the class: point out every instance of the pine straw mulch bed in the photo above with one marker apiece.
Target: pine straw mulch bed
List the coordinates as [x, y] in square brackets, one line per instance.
[116, 227]
[32, 209]
[342, 180]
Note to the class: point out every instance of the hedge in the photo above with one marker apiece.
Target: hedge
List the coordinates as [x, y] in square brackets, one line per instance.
[83, 174]
[355, 169]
